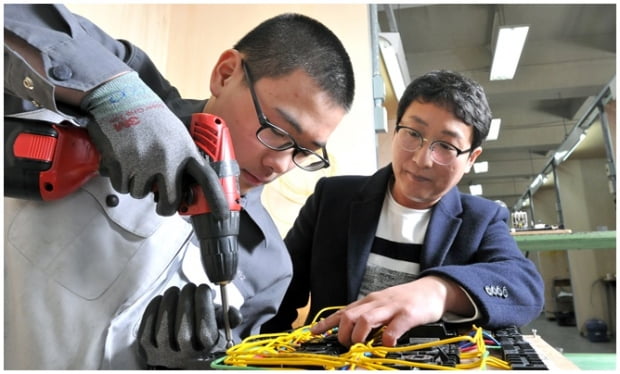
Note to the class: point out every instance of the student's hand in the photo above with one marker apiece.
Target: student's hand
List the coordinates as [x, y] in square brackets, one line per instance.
[144, 147]
[398, 308]
[181, 328]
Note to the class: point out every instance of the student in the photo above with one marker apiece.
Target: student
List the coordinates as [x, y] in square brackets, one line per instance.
[80, 271]
[404, 247]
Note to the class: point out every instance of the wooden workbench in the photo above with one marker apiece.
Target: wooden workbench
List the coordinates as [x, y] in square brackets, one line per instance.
[551, 357]
[555, 360]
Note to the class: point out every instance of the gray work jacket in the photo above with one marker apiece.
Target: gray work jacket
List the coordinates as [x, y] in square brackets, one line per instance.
[80, 271]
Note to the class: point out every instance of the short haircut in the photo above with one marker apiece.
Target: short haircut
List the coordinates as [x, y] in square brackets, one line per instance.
[462, 96]
[284, 43]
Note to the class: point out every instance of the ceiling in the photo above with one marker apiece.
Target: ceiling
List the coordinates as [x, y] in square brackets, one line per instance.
[569, 58]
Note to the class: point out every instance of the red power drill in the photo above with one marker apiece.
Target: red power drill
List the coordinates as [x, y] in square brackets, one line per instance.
[45, 161]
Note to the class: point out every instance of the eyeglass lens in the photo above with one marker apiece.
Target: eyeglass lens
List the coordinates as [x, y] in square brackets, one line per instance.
[278, 139]
[441, 152]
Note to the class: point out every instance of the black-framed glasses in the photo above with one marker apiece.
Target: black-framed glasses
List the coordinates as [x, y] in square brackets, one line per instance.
[442, 152]
[273, 137]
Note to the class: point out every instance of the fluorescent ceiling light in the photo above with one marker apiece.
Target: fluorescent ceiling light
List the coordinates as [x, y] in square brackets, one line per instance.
[475, 189]
[494, 129]
[537, 182]
[569, 145]
[481, 167]
[510, 42]
[395, 62]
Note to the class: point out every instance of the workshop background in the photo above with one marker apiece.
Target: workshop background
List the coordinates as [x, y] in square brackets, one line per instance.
[554, 155]
[564, 86]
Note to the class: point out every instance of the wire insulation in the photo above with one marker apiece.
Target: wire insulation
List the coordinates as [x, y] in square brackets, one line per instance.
[285, 351]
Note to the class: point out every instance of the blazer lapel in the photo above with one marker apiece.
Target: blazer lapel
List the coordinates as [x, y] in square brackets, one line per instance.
[363, 220]
[442, 229]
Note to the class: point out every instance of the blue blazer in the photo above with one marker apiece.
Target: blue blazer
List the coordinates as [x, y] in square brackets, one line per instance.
[468, 240]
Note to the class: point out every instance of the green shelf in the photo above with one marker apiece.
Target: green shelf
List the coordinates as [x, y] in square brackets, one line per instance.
[567, 241]
[593, 361]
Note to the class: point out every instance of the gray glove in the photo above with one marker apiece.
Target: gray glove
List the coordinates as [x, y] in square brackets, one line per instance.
[180, 330]
[144, 147]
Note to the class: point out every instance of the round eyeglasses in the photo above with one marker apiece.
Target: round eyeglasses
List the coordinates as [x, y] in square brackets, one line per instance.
[274, 137]
[442, 152]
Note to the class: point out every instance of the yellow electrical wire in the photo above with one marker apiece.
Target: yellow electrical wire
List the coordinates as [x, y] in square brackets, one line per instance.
[279, 350]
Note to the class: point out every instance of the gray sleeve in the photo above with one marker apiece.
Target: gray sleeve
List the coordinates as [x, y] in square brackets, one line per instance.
[76, 54]
[20, 80]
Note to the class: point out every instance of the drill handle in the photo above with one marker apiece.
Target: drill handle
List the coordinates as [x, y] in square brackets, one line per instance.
[212, 138]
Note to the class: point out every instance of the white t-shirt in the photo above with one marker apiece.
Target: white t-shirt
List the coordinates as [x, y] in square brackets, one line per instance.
[395, 254]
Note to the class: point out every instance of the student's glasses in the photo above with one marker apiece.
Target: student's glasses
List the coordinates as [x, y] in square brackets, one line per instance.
[273, 137]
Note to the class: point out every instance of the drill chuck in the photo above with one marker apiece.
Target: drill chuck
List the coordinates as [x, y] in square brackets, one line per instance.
[218, 245]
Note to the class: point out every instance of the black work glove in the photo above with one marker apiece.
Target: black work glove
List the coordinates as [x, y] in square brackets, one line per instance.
[180, 329]
[144, 147]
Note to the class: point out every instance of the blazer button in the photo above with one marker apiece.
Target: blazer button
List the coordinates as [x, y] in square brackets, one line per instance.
[488, 290]
[111, 201]
[61, 72]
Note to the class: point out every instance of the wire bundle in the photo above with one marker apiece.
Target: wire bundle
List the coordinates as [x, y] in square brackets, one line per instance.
[281, 351]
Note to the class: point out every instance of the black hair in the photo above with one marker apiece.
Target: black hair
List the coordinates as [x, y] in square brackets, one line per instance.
[291, 41]
[464, 97]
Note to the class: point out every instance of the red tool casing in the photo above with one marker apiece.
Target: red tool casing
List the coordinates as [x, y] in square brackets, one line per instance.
[44, 161]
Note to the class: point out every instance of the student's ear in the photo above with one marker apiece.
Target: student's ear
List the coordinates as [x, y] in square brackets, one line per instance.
[228, 66]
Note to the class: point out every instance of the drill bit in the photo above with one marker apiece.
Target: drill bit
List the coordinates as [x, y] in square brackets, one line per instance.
[225, 308]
